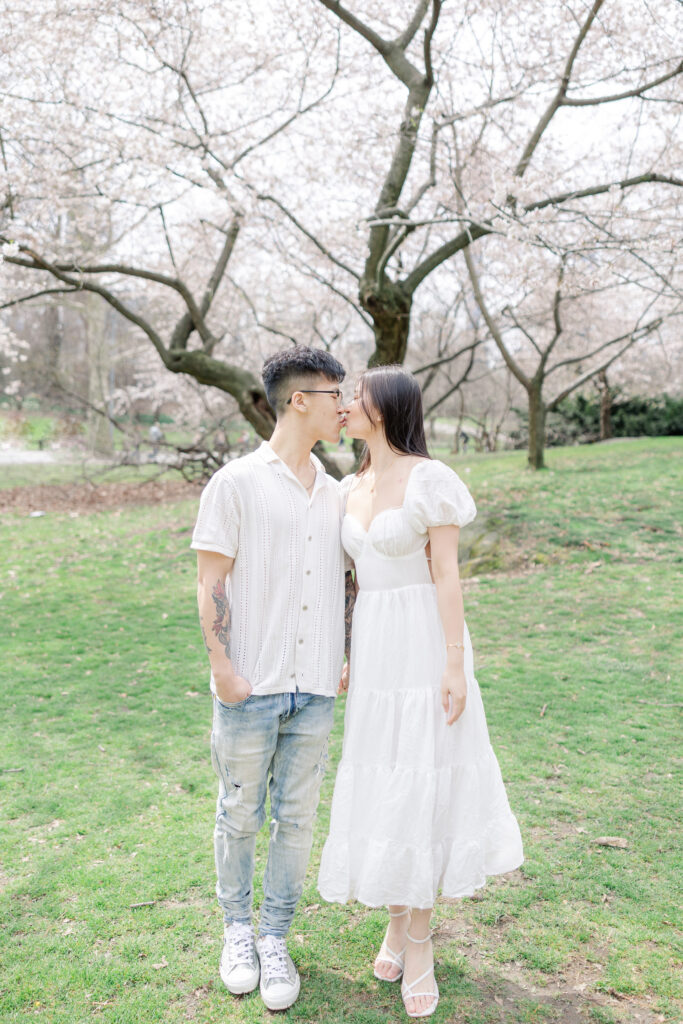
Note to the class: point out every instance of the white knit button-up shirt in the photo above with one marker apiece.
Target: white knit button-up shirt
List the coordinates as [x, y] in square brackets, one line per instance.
[286, 588]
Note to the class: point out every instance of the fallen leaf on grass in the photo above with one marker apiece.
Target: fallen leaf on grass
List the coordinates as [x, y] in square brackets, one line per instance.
[162, 963]
[615, 841]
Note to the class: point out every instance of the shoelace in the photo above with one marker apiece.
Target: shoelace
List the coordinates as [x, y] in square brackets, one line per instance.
[241, 945]
[274, 958]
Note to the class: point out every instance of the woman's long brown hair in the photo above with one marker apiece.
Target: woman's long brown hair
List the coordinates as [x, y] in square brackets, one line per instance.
[395, 395]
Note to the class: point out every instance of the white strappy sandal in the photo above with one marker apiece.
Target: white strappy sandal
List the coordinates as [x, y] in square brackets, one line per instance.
[408, 993]
[387, 956]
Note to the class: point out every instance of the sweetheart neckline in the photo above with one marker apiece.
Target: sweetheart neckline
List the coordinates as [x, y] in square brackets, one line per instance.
[394, 508]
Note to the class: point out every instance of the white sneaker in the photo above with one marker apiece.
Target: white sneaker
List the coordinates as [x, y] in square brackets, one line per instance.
[239, 968]
[280, 982]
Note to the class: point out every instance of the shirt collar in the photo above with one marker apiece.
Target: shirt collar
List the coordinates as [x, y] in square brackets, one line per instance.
[265, 452]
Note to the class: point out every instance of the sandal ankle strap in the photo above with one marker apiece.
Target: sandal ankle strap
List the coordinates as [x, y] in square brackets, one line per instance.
[426, 938]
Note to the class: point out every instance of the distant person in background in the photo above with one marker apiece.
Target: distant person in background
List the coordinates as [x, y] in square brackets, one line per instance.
[271, 607]
[419, 804]
[156, 436]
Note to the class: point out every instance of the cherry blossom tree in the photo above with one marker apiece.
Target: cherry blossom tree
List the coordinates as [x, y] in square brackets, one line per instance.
[272, 172]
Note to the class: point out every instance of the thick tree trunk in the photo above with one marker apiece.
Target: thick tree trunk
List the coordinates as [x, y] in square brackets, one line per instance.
[537, 413]
[389, 305]
[244, 387]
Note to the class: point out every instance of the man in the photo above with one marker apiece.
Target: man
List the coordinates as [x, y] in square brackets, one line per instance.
[269, 522]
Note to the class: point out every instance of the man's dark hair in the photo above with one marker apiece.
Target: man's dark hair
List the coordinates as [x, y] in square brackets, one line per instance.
[292, 369]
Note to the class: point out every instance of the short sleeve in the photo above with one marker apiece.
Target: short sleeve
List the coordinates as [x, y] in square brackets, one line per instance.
[218, 522]
[436, 496]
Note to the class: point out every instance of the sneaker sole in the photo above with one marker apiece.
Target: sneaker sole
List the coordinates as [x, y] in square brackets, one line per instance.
[285, 1001]
[244, 987]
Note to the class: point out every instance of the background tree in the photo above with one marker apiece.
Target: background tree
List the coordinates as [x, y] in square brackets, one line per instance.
[559, 330]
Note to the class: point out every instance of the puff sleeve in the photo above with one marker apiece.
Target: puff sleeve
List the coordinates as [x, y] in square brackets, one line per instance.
[436, 496]
[218, 522]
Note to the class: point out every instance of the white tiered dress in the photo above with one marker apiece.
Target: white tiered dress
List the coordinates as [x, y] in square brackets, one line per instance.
[419, 806]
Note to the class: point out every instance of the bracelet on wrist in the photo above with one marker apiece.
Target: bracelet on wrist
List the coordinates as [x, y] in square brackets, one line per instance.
[459, 644]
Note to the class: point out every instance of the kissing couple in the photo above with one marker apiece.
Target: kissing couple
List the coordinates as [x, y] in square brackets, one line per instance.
[419, 805]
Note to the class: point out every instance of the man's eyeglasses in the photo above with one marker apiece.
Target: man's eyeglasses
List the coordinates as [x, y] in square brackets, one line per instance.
[339, 395]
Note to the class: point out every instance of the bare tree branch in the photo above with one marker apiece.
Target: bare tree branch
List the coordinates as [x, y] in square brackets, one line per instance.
[454, 387]
[637, 335]
[80, 284]
[445, 359]
[512, 364]
[443, 253]
[557, 299]
[407, 36]
[651, 177]
[186, 324]
[559, 96]
[568, 101]
[304, 231]
[254, 313]
[37, 295]
[520, 327]
[285, 124]
[427, 47]
[380, 44]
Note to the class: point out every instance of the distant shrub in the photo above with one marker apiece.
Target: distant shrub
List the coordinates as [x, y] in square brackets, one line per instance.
[631, 417]
[577, 420]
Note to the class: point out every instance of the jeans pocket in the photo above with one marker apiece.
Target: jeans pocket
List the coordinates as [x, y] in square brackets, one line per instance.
[232, 705]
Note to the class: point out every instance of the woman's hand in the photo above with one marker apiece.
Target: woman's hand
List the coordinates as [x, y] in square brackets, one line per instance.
[344, 681]
[453, 693]
[232, 689]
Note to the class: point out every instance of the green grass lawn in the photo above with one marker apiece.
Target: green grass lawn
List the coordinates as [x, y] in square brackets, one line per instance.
[108, 793]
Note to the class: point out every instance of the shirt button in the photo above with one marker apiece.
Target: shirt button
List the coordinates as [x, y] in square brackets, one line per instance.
[308, 572]
[304, 607]
[301, 640]
[293, 675]
[310, 538]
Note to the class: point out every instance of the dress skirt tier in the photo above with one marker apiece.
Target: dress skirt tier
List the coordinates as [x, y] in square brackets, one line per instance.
[419, 807]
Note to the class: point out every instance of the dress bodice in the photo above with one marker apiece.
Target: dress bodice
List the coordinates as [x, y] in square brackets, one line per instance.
[391, 552]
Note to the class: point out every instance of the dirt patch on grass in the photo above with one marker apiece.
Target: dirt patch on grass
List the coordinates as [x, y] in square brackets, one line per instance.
[569, 997]
[82, 498]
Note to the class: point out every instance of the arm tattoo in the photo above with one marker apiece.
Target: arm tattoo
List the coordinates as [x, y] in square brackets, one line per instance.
[206, 642]
[221, 624]
[349, 602]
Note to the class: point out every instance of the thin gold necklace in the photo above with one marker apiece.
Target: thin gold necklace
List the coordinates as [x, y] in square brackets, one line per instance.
[312, 483]
[384, 471]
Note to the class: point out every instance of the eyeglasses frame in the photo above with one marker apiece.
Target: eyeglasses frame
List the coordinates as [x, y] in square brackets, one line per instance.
[319, 391]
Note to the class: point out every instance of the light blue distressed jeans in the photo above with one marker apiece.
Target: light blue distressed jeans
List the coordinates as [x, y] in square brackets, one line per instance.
[277, 742]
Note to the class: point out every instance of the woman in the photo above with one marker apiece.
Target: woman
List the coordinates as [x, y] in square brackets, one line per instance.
[419, 803]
